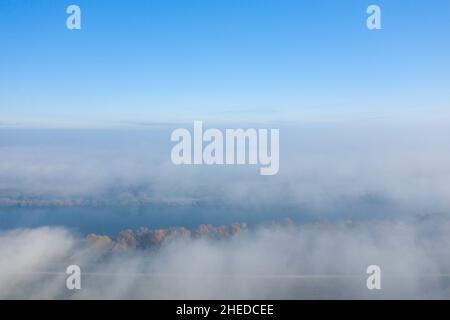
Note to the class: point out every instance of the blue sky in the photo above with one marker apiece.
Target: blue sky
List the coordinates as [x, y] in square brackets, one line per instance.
[243, 60]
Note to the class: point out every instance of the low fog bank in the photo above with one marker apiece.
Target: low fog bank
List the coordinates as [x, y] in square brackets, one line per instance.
[324, 170]
[319, 260]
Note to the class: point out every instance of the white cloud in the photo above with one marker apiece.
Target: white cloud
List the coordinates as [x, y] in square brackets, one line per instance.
[269, 262]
